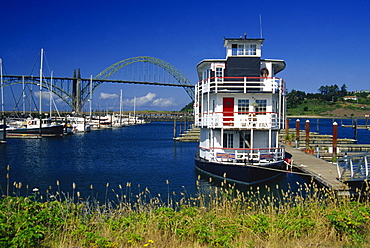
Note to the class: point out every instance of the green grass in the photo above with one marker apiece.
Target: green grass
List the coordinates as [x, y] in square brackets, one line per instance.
[312, 107]
[217, 217]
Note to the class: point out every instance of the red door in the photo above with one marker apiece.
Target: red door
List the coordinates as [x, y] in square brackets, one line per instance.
[228, 111]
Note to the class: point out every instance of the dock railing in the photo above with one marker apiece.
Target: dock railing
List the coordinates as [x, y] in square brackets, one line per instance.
[354, 168]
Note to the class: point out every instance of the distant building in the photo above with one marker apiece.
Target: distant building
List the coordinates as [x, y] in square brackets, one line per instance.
[354, 98]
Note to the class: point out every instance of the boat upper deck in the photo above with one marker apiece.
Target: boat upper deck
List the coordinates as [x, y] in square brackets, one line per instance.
[241, 85]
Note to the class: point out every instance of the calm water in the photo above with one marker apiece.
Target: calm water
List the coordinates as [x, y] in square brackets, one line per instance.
[144, 155]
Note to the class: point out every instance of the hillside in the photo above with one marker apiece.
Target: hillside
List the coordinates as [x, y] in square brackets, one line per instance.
[324, 108]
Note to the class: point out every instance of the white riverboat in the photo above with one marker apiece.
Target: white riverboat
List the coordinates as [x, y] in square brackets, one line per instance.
[240, 107]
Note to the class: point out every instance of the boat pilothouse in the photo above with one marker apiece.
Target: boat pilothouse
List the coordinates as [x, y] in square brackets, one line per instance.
[240, 108]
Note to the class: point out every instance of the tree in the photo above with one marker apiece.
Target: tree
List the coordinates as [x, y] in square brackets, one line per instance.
[294, 98]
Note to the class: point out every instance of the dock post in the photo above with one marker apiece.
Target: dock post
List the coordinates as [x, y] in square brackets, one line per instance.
[335, 140]
[307, 134]
[287, 126]
[180, 123]
[367, 120]
[355, 131]
[297, 131]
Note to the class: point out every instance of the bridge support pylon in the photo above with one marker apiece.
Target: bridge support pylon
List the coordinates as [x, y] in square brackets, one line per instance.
[76, 91]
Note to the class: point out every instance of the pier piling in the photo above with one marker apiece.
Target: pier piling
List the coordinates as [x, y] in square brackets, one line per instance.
[335, 140]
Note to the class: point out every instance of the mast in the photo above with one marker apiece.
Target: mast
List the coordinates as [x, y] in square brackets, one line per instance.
[23, 96]
[90, 95]
[135, 109]
[51, 93]
[40, 103]
[120, 109]
[2, 87]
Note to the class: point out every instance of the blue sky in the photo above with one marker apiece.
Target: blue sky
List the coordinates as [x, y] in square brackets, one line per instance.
[322, 42]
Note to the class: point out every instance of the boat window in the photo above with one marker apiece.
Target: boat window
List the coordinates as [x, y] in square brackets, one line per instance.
[262, 106]
[219, 73]
[234, 48]
[228, 140]
[243, 106]
[244, 140]
[251, 49]
[243, 49]
[240, 50]
[206, 74]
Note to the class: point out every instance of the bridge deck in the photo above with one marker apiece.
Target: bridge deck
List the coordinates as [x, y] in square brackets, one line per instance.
[322, 171]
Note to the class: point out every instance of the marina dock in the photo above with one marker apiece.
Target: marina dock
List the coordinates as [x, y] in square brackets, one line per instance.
[322, 171]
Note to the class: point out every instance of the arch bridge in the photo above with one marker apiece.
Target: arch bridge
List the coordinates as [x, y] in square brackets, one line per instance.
[76, 91]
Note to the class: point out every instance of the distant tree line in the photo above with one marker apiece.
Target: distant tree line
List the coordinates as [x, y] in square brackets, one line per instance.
[326, 93]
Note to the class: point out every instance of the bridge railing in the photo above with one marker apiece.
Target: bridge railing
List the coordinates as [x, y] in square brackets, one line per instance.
[354, 168]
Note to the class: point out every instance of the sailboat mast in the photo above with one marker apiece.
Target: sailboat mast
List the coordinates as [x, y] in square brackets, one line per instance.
[51, 94]
[120, 109]
[90, 95]
[23, 96]
[135, 109]
[2, 86]
[40, 103]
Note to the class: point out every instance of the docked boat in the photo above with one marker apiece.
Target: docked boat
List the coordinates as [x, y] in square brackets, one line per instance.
[32, 127]
[240, 107]
[78, 124]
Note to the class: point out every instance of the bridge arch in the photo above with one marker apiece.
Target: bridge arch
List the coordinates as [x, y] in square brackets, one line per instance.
[63, 87]
[173, 71]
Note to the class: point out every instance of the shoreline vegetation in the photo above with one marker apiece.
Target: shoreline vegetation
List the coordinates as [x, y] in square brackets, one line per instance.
[219, 216]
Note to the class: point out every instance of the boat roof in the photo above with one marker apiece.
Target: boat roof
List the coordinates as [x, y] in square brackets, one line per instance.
[242, 38]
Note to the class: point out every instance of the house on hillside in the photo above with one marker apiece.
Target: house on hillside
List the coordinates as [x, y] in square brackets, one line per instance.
[346, 98]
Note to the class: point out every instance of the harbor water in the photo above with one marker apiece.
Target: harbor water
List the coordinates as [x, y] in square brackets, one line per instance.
[102, 163]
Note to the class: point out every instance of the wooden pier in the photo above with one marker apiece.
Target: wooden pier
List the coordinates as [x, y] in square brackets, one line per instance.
[191, 135]
[322, 171]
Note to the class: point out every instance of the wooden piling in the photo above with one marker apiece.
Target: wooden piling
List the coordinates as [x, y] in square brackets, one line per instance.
[297, 130]
[307, 134]
[335, 140]
[287, 126]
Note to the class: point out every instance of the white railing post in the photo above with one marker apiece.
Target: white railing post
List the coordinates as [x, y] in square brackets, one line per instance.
[366, 166]
[216, 86]
[338, 169]
[245, 85]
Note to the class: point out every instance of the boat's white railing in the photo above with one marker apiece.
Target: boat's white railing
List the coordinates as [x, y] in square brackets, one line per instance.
[354, 168]
[241, 84]
[257, 120]
[243, 155]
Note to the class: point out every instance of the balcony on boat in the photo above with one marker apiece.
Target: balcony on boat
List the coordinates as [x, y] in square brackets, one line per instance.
[241, 85]
[245, 156]
[253, 120]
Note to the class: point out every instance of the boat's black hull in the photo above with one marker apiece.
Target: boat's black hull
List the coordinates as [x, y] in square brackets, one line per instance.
[45, 131]
[245, 174]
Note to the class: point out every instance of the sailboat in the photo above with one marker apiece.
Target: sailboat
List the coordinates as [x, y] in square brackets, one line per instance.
[36, 126]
